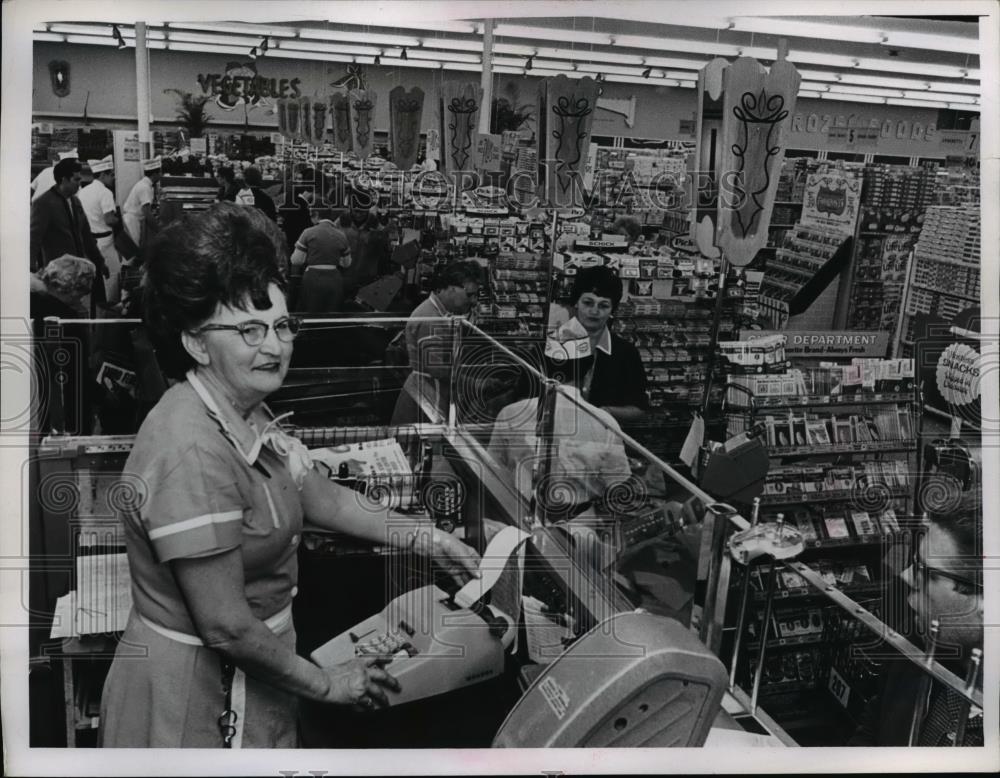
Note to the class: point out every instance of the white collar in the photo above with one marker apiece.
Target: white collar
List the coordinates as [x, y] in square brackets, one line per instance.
[437, 304]
[574, 327]
[245, 434]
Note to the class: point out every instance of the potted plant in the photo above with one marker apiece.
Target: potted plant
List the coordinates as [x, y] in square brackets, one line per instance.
[191, 112]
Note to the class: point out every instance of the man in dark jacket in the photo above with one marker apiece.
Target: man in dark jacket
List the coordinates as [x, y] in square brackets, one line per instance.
[945, 584]
[59, 226]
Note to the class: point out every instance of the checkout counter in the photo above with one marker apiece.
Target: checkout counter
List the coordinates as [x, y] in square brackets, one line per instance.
[603, 621]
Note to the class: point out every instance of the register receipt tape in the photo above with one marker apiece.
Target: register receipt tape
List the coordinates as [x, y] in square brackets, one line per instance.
[494, 560]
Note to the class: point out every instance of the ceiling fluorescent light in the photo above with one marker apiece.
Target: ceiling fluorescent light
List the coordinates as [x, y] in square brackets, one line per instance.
[676, 44]
[465, 28]
[358, 37]
[951, 98]
[235, 28]
[590, 67]
[850, 77]
[443, 56]
[472, 45]
[538, 64]
[151, 34]
[680, 64]
[330, 48]
[207, 49]
[222, 40]
[852, 98]
[806, 29]
[473, 68]
[916, 103]
[552, 33]
[919, 40]
[316, 56]
[92, 40]
[412, 63]
[864, 90]
[81, 29]
[957, 107]
[47, 37]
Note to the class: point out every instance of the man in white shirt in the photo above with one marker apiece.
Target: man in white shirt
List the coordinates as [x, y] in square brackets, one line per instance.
[137, 212]
[99, 205]
[45, 180]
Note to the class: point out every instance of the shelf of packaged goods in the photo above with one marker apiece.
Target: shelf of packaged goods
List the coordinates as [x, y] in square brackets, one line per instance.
[788, 202]
[797, 640]
[831, 495]
[786, 687]
[947, 293]
[839, 400]
[882, 446]
[868, 590]
[780, 226]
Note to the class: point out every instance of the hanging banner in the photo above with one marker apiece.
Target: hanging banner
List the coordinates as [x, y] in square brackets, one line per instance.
[316, 133]
[340, 113]
[362, 103]
[405, 112]
[565, 115]
[832, 200]
[460, 104]
[756, 108]
[488, 153]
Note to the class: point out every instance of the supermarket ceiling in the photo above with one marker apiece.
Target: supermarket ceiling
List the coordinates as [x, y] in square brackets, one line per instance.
[876, 59]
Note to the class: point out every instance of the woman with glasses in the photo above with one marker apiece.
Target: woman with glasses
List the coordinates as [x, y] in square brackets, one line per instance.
[214, 499]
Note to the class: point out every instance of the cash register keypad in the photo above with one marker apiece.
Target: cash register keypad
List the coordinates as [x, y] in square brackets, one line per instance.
[388, 644]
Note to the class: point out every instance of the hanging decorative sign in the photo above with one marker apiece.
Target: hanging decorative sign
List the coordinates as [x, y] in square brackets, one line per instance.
[957, 374]
[59, 73]
[362, 114]
[340, 113]
[290, 118]
[756, 107]
[354, 78]
[405, 112]
[459, 119]
[317, 124]
[832, 200]
[240, 84]
[565, 114]
[305, 119]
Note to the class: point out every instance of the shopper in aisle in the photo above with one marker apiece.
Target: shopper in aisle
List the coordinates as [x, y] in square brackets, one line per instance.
[44, 181]
[228, 187]
[945, 583]
[60, 290]
[137, 211]
[429, 343]
[258, 198]
[59, 226]
[222, 492]
[321, 256]
[296, 216]
[368, 239]
[617, 381]
[98, 203]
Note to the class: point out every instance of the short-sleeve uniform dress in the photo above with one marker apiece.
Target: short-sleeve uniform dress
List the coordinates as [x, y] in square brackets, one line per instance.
[205, 484]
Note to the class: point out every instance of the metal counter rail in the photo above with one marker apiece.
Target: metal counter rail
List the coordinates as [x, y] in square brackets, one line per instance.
[831, 593]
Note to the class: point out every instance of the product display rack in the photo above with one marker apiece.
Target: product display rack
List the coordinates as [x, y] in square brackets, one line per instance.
[851, 507]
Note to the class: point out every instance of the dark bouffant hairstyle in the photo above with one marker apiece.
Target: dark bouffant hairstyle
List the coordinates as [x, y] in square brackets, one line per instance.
[600, 280]
[252, 176]
[65, 168]
[226, 255]
[458, 274]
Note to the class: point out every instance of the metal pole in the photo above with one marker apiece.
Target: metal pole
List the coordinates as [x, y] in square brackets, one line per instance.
[142, 89]
[744, 600]
[924, 685]
[970, 683]
[487, 77]
[768, 603]
[714, 340]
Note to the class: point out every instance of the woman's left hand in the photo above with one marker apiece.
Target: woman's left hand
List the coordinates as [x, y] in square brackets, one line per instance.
[459, 560]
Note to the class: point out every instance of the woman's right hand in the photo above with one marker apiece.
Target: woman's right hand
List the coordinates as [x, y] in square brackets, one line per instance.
[360, 683]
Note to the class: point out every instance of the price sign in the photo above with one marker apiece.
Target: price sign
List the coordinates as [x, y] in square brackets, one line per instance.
[838, 687]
